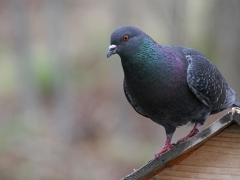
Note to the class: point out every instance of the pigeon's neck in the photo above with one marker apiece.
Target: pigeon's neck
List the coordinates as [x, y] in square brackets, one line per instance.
[142, 64]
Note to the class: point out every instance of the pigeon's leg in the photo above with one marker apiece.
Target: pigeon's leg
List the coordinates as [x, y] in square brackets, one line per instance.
[192, 133]
[167, 146]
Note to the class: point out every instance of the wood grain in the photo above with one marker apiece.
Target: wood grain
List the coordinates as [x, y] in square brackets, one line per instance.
[218, 158]
[211, 154]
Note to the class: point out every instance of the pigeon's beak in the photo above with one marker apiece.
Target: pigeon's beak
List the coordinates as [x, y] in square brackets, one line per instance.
[111, 50]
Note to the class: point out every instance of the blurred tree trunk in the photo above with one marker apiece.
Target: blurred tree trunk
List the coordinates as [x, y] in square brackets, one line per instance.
[173, 15]
[227, 31]
[175, 18]
[27, 87]
[63, 95]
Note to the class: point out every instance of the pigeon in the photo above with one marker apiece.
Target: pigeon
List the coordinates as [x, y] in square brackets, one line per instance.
[170, 85]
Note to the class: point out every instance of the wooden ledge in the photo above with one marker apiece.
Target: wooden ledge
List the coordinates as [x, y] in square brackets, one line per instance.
[183, 150]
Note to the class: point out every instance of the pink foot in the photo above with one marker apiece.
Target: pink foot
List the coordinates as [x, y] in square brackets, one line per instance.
[191, 134]
[167, 146]
[164, 149]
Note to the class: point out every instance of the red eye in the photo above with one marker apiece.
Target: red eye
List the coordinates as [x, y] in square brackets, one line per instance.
[125, 38]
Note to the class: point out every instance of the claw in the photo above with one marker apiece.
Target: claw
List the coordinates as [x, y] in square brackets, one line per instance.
[167, 146]
[164, 149]
[193, 132]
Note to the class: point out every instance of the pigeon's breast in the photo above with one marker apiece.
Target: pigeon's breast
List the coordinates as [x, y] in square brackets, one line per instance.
[155, 87]
[158, 85]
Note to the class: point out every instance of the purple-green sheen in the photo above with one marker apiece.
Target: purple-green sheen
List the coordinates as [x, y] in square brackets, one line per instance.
[170, 85]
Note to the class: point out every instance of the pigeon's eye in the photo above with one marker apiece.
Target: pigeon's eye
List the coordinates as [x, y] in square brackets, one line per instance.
[125, 38]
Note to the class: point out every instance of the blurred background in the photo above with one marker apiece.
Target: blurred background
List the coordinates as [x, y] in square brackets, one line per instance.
[63, 113]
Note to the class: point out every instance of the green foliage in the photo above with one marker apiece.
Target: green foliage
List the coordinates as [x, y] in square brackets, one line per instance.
[44, 73]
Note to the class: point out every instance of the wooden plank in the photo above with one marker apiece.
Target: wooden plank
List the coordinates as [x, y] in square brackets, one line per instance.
[229, 134]
[195, 175]
[227, 139]
[224, 144]
[206, 169]
[216, 159]
[212, 159]
[222, 150]
[170, 177]
[183, 150]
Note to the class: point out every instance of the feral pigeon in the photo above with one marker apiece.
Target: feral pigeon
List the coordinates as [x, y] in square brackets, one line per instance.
[170, 85]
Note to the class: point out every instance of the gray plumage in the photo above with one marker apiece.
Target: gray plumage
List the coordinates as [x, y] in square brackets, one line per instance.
[170, 85]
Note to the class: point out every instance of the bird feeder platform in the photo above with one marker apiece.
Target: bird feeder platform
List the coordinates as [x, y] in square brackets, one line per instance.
[214, 153]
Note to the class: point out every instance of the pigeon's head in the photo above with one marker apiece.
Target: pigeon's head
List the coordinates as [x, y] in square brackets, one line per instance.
[125, 40]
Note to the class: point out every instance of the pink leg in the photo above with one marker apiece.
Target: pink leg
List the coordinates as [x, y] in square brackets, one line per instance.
[167, 146]
[193, 132]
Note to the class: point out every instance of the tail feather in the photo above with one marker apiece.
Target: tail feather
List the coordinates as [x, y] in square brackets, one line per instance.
[236, 104]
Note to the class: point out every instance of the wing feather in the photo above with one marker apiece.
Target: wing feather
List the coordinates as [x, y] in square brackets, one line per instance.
[207, 83]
